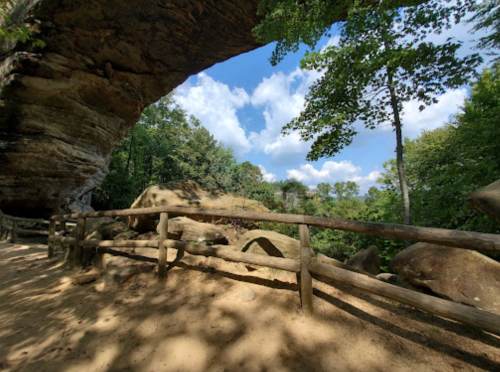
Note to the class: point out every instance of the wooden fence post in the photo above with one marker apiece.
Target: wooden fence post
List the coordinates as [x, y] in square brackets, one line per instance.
[15, 227]
[3, 226]
[80, 235]
[62, 225]
[306, 288]
[52, 232]
[162, 249]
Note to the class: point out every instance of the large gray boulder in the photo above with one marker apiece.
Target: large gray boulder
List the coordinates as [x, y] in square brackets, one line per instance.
[460, 275]
[487, 200]
[367, 260]
[190, 230]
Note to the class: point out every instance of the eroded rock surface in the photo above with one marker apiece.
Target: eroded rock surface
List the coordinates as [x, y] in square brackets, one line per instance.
[190, 230]
[457, 274]
[187, 194]
[487, 200]
[269, 243]
[64, 108]
[367, 260]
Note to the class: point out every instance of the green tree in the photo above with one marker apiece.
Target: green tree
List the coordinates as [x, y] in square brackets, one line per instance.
[165, 145]
[345, 190]
[291, 23]
[248, 181]
[324, 190]
[447, 164]
[383, 60]
[293, 191]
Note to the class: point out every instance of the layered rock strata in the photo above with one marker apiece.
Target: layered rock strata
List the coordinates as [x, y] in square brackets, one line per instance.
[64, 107]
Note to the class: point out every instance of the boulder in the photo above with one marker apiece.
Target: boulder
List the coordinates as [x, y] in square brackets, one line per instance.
[127, 235]
[459, 275]
[190, 230]
[339, 256]
[270, 243]
[388, 277]
[151, 235]
[332, 261]
[366, 260]
[111, 230]
[487, 200]
[187, 194]
[103, 228]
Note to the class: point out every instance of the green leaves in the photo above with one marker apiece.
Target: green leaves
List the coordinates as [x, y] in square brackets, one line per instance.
[446, 165]
[487, 18]
[166, 145]
[9, 31]
[378, 48]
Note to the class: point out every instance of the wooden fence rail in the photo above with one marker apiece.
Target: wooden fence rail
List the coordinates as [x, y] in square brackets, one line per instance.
[306, 266]
[453, 238]
[15, 230]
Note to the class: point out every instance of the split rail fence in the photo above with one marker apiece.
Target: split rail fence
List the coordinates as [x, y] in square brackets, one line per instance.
[15, 228]
[306, 266]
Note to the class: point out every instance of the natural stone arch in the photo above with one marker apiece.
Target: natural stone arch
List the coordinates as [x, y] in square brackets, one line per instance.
[65, 107]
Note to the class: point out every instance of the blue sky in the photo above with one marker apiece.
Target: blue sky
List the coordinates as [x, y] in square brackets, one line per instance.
[244, 102]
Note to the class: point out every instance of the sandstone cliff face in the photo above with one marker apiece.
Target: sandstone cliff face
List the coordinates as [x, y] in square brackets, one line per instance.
[64, 108]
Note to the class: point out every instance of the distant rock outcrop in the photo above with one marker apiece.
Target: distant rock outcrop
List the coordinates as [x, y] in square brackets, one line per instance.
[187, 194]
[457, 274]
[487, 200]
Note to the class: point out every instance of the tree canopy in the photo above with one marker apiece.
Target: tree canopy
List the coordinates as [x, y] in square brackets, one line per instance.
[383, 60]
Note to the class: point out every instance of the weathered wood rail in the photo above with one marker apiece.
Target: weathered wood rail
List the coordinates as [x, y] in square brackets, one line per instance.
[16, 226]
[306, 266]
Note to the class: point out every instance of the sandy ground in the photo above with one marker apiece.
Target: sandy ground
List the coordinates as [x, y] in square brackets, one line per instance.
[198, 321]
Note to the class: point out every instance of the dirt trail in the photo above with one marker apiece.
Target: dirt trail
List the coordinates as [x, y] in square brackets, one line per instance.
[197, 321]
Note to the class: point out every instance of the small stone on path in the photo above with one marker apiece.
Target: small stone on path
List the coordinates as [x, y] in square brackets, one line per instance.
[248, 295]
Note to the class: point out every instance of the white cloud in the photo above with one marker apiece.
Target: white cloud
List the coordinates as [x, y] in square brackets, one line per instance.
[215, 104]
[414, 121]
[332, 172]
[333, 41]
[269, 177]
[282, 97]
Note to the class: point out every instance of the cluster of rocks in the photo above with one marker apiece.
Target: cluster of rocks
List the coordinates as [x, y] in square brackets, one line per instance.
[459, 275]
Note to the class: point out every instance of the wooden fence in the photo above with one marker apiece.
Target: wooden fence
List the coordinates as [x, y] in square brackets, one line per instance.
[15, 227]
[306, 266]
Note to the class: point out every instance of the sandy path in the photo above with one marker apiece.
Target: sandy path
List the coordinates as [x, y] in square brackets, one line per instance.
[197, 321]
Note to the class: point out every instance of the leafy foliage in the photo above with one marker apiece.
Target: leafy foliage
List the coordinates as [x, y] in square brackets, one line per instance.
[292, 22]
[375, 53]
[487, 17]
[447, 164]
[165, 146]
[12, 32]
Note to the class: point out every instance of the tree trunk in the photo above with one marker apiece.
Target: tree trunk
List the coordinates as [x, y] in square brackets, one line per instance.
[399, 152]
